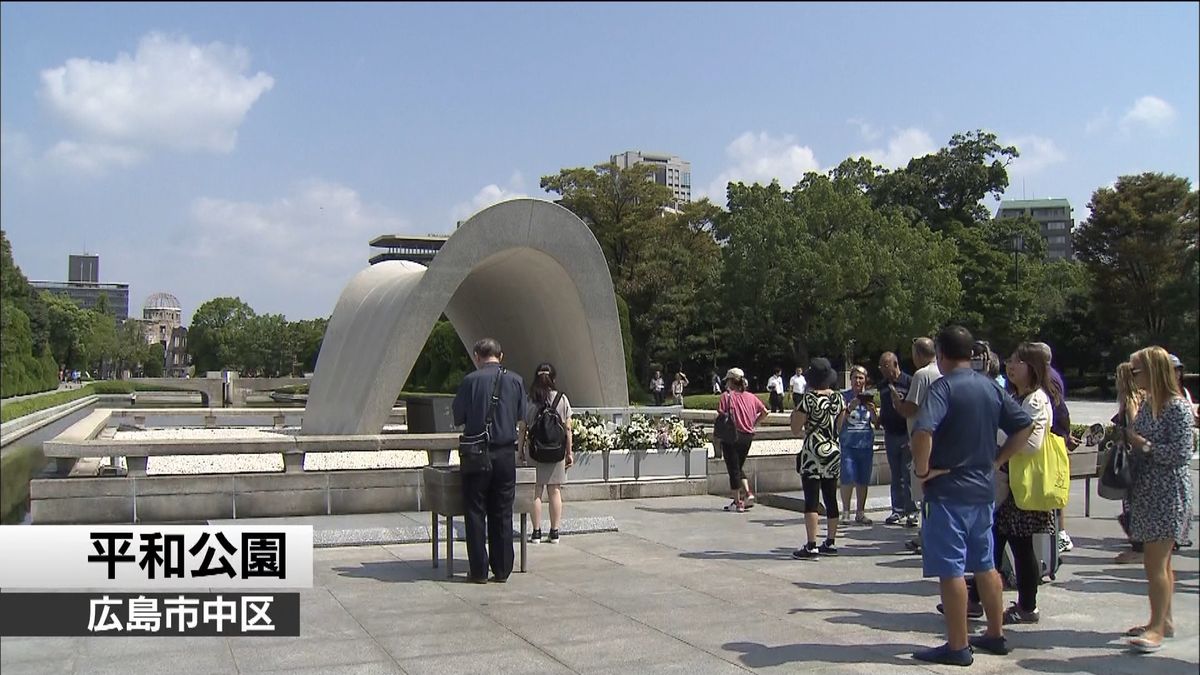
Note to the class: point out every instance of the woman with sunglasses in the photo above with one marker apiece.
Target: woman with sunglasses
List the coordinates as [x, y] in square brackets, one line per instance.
[1161, 498]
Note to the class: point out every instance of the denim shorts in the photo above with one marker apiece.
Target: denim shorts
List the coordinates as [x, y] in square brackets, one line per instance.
[857, 464]
[956, 538]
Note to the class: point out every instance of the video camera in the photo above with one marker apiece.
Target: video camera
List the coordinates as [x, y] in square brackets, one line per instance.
[981, 355]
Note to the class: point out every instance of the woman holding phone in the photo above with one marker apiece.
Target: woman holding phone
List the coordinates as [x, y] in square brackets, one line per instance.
[858, 444]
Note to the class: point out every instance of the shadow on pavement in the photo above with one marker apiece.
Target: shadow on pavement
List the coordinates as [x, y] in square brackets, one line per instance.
[920, 588]
[679, 510]
[778, 553]
[394, 572]
[756, 655]
[1124, 661]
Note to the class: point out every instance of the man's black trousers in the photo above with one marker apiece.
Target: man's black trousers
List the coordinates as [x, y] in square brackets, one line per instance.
[488, 502]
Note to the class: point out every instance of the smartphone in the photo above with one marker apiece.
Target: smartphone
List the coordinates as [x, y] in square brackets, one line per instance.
[866, 397]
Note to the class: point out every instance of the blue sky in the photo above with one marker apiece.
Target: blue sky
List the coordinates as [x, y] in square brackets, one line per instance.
[255, 149]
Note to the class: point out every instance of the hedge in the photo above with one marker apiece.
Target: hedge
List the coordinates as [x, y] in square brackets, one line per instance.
[25, 374]
[16, 468]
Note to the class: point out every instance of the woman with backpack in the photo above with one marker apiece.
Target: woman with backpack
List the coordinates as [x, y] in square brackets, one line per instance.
[746, 411]
[548, 443]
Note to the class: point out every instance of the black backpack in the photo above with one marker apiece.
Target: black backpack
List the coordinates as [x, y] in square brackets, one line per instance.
[724, 427]
[548, 434]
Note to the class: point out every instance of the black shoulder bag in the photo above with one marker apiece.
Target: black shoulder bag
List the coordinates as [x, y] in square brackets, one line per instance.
[473, 455]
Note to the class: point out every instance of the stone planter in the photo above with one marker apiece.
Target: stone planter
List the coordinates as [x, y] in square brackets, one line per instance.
[657, 464]
[622, 464]
[588, 466]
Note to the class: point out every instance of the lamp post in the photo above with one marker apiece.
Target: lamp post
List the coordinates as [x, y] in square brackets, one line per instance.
[1018, 245]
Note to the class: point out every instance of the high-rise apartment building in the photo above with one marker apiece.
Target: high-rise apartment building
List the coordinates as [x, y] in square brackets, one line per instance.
[1054, 217]
[669, 170]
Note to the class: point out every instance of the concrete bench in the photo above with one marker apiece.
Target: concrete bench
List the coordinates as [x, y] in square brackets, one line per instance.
[443, 490]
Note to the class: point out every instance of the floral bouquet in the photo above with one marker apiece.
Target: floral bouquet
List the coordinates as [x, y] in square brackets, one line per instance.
[640, 434]
[676, 433]
[590, 433]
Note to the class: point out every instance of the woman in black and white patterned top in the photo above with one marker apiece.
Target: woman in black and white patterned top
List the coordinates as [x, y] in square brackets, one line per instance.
[819, 416]
[1161, 498]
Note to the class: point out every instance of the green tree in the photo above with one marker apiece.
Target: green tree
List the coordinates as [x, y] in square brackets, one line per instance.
[1140, 245]
[615, 203]
[948, 186]
[442, 363]
[67, 323]
[660, 258]
[1003, 273]
[214, 333]
[307, 336]
[814, 267]
[263, 346]
[15, 288]
[100, 342]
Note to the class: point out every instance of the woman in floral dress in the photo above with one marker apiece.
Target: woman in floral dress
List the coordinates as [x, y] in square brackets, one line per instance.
[1161, 499]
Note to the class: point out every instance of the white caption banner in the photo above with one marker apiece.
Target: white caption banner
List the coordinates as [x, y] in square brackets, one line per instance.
[54, 557]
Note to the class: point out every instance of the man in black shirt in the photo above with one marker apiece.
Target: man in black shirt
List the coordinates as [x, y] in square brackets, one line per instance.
[488, 496]
[895, 440]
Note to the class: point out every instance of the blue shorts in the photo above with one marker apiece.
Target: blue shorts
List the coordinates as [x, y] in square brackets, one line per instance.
[857, 464]
[956, 539]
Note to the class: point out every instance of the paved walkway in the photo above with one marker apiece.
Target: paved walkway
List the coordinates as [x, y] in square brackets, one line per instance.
[683, 587]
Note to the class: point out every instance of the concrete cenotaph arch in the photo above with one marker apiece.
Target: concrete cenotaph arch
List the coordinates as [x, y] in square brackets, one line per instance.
[526, 272]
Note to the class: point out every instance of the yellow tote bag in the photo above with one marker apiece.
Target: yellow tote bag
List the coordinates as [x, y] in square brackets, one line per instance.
[1041, 481]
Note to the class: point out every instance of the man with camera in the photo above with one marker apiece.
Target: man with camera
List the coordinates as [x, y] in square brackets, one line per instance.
[895, 440]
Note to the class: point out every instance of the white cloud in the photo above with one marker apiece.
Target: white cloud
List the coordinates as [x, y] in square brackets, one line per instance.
[170, 94]
[304, 246]
[1149, 112]
[92, 158]
[868, 131]
[904, 145]
[1036, 152]
[761, 158]
[488, 195]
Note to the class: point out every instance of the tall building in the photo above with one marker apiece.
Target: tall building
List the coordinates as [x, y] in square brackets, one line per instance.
[669, 170]
[84, 269]
[84, 288]
[1055, 218]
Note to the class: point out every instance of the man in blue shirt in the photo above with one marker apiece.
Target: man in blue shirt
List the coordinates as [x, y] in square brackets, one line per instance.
[954, 456]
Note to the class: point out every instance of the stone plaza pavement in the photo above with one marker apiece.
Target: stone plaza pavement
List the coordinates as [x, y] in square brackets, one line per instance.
[683, 587]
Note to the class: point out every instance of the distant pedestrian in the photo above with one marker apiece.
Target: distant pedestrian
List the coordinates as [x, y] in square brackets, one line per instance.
[820, 415]
[716, 383]
[658, 387]
[747, 410]
[678, 385]
[797, 385]
[775, 390]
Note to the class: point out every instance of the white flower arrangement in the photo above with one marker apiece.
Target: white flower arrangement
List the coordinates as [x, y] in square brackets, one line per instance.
[591, 433]
[642, 432]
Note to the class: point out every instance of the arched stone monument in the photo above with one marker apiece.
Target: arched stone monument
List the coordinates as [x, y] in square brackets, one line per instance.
[526, 272]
